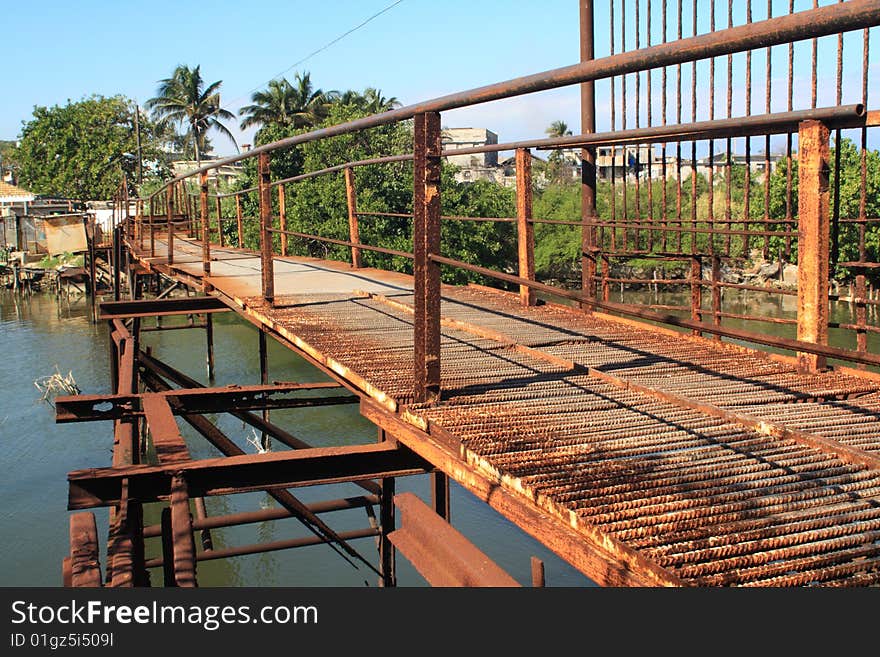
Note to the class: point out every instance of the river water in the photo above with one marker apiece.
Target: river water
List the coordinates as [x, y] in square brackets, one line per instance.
[37, 334]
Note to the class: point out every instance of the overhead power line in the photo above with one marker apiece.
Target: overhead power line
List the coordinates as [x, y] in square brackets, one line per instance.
[321, 49]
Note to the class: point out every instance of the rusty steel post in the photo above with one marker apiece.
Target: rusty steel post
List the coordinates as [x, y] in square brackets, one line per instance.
[353, 228]
[538, 580]
[387, 568]
[588, 159]
[203, 218]
[138, 223]
[282, 218]
[426, 242]
[696, 291]
[525, 229]
[238, 221]
[861, 294]
[152, 227]
[209, 339]
[813, 241]
[267, 266]
[716, 294]
[169, 214]
[219, 215]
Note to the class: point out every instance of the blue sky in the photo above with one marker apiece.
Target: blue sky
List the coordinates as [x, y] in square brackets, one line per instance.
[417, 50]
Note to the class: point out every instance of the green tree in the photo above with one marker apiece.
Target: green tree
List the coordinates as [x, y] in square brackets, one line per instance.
[370, 101]
[185, 101]
[288, 105]
[81, 150]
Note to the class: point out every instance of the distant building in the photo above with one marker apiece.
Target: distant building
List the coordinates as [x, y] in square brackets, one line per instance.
[226, 173]
[627, 162]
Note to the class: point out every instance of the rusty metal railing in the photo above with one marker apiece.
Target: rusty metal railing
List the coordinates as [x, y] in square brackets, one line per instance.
[679, 233]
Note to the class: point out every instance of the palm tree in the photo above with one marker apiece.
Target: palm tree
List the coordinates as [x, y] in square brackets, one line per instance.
[297, 105]
[370, 101]
[375, 102]
[558, 129]
[183, 99]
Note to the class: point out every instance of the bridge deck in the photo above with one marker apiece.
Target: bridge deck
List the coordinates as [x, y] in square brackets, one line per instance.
[717, 464]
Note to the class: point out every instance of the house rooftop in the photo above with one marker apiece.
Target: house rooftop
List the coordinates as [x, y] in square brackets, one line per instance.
[12, 194]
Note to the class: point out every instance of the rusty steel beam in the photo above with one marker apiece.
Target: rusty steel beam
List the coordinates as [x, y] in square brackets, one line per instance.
[83, 408]
[184, 548]
[85, 569]
[269, 546]
[219, 440]
[161, 307]
[813, 23]
[814, 235]
[426, 242]
[238, 474]
[264, 515]
[599, 556]
[525, 229]
[155, 369]
[442, 555]
[169, 444]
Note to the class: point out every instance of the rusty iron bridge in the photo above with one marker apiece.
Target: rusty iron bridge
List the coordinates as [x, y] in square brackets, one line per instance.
[647, 445]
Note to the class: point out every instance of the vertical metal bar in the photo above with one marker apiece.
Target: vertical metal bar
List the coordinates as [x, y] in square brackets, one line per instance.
[440, 495]
[209, 339]
[267, 265]
[588, 158]
[696, 290]
[206, 228]
[861, 315]
[264, 379]
[169, 214]
[863, 155]
[525, 229]
[238, 221]
[711, 190]
[716, 294]
[220, 238]
[426, 242]
[728, 212]
[623, 112]
[153, 227]
[638, 91]
[813, 241]
[353, 229]
[649, 123]
[612, 149]
[282, 218]
[117, 265]
[789, 214]
[767, 109]
[538, 580]
[694, 248]
[664, 172]
[386, 548]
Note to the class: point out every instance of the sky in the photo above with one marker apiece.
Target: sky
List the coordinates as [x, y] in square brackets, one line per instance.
[57, 51]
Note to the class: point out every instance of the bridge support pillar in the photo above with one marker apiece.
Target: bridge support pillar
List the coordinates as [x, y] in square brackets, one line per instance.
[813, 241]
